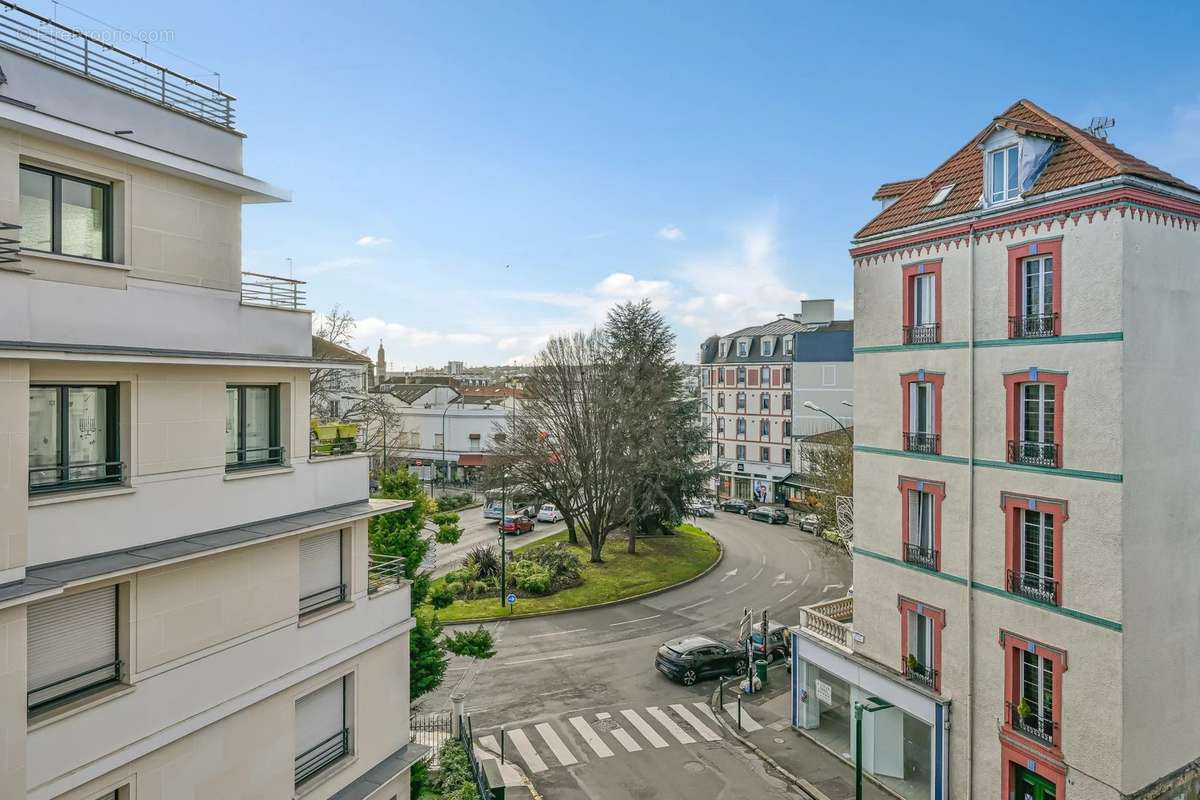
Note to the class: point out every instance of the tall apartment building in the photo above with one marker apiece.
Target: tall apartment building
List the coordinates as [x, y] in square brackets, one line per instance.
[1023, 622]
[187, 604]
[751, 381]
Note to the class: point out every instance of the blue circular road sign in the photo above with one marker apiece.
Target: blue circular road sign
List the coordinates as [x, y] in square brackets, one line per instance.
[512, 598]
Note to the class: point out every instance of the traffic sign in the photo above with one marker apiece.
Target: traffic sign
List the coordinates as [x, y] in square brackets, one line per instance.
[418, 463]
[511, 599]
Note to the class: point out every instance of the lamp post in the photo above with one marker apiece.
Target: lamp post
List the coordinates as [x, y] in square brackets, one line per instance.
[444, 464]
[500, 528]
[809, 404]
[875, 705]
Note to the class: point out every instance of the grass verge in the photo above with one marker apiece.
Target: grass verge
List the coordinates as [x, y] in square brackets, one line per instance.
[659, 562]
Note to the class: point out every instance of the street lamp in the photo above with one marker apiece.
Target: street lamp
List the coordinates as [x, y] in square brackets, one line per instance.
[445, 466]
[809, 404]
[875, 705]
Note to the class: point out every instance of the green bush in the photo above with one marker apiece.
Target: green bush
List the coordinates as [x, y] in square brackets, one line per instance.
[442, 596]
[483, 561]
[449, 534]
[443, 518]
[453, 502]
[456, 781]
[530, 576]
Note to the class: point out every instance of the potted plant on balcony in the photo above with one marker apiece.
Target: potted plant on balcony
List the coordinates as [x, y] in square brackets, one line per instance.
[914, 666]
[1024, 711]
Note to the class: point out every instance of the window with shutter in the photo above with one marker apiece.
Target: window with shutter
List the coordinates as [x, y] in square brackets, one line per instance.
[72, 647]
[322, 736]
[321, 583]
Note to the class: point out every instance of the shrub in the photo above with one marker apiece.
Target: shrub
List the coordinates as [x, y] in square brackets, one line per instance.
[442, 596]
[444, 518]
[456, 770]
[529, 576]
[483, 561]
[453, 502]
[449, 534]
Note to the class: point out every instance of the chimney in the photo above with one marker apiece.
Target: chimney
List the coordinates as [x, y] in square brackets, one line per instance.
[814, 311]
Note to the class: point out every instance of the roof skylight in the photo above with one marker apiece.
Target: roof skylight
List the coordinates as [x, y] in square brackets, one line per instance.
[940, 196]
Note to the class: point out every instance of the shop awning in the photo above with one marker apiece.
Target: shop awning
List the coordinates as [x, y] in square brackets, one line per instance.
[471, 459]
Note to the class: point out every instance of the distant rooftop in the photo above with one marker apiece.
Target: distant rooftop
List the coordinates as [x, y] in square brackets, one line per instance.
[50, 42]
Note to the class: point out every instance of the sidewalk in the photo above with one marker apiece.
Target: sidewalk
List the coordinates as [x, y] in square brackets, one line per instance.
[766, 724]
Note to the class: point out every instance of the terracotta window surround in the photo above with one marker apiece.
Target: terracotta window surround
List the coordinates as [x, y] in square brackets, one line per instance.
[905, 605]
[938, 491]
[1013, 505]
[937, 380]
[1013, 382]
[1014, 645]
[1013, 755]
[1017, 253]
[908, 274]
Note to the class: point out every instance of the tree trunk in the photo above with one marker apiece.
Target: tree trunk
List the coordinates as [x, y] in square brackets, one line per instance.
[597, 543]
[632, 548]
[572, 536]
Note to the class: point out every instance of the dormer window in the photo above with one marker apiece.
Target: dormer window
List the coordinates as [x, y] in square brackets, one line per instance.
[787, 345]
[767, 348]
[743, 349]
[1002, 174]
[723, 348]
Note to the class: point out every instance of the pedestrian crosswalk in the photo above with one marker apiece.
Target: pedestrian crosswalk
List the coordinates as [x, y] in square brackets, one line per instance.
[579, 737]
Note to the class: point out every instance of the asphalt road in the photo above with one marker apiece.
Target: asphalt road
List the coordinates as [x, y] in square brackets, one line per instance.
[477, 531]
[556, 680]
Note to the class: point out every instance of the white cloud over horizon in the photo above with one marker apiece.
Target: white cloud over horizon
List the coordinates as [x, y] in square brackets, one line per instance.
[671, 233]
[372, 241]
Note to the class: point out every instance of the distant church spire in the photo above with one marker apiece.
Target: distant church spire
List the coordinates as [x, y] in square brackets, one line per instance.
[380, 363]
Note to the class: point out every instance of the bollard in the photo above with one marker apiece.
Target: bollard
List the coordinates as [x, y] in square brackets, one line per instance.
[739, 712]
[456, 703]
[501, 744]
[721, 687]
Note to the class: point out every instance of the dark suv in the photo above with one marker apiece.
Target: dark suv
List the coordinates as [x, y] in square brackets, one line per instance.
[737, 506]
[777, 642]
[693, 657]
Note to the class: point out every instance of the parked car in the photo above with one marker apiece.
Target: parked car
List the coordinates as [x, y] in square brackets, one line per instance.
[775, 516]
[691, 658]
[516, 524]
[700, 508]
[810, 523]
[493, 510]
[737, 506]
[777, 642]
[549, 513]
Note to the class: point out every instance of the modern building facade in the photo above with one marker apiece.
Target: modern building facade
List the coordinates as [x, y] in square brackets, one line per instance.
[749, 383]
[1023, 617]
[188, 607]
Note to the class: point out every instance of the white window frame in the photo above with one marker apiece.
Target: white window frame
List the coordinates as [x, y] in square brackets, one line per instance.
[920, 627]
[764, 455]
[920, 519]
[924, 299]
[766, 346]
[764, 428]
[1044, 436]
[743, 348]
[787, 345]
[764, 406]
[723, 348]
[1009, 152]
[1044, 522]
[1043, 281]
[918, 422]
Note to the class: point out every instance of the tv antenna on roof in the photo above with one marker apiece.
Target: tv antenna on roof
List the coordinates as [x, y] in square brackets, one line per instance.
[1099, 127]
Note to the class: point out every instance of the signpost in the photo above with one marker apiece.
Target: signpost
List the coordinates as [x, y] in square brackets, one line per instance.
[511, 600]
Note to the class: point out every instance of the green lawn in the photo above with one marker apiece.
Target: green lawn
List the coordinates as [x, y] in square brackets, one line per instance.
[659, 561]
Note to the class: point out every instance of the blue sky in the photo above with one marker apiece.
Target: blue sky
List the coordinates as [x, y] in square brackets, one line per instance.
[716, 157]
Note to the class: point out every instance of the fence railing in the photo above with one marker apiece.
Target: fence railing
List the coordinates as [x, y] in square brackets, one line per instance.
[10, 247]
[830, 620]
[921, 556]
[272, 291]
[72, 50]
[919, 442]
[923, 334]
[920, 674]
[321, 755]
[1033, 326]
[1035, 454]
[1036, 725]
[250, 457]
[64, 689]
[59, 477]
[322, 599]
[467, 739]
[384, 572]
[430, 730]
[1034, 586]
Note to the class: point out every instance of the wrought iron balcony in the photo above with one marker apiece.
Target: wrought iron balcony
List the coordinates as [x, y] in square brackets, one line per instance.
[322, 599]
[322, 755]
[925, 557]
[920, 674]
[63, 477]
[383, 572]
[72, 686]
[1034, 454]
[272, 291]
[923, 334]
[1036, 726]
[250, 457]
[72, 50]
[1033, 326]
[919, 442]
[1034, 586]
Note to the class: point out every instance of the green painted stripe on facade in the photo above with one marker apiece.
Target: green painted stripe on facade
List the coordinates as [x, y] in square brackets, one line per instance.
[1091, 619]
[1078, 338]
[1063, 472]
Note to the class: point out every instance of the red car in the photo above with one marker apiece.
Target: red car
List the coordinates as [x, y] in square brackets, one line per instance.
[516, 525]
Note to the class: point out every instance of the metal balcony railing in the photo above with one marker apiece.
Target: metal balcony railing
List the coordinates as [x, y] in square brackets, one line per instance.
[1034, 586]
[383, 572]
[1033, 326]
[322, 599]
[62, 477]
[10, 247]
[919, 442]
[1034, 454]
[66, 48]
[70, 687]
[322, 755]
[920, 674]
[923, 334]
[1037, 726]
[925, 557]
[250, 457]
[272, 291]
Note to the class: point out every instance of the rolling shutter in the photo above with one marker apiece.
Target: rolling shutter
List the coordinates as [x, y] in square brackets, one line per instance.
[72, 644]
[320, 563]
[320, 716]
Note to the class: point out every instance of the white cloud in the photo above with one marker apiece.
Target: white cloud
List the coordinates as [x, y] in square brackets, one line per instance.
[372, 241]
[672, 233]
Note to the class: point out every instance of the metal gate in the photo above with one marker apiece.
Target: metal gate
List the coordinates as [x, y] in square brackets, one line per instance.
[431, 730]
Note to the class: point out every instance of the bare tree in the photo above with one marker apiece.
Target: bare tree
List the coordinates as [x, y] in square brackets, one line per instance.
[832, 468]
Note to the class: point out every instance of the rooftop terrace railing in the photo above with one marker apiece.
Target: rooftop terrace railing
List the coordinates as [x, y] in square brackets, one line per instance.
[272, 290]
[72, 50]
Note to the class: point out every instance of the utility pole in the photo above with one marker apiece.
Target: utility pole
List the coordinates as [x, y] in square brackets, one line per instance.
[500, 528]
[859, 708]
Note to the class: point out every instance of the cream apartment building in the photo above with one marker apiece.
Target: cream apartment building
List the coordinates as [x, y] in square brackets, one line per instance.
[188, 608]
[1023, 617]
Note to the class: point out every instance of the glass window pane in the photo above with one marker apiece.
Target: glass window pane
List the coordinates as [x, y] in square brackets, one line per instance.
[87, 433]
[43, 435]
[82, 219]
[998, 176]
[1012, 171]
[232, 421]
[258, 423]
[36, 194]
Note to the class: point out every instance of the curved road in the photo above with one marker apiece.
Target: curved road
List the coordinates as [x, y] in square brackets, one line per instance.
[548, 671]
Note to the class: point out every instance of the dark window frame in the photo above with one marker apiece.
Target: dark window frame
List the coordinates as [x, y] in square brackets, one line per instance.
[113, 471]
[117, 678]
[56, 213]
[275, 451]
